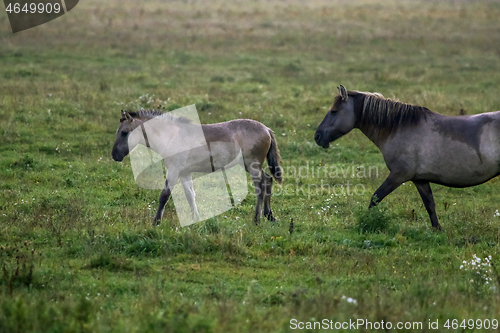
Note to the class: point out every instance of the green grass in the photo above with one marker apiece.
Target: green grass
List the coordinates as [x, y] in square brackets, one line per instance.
[77, 249]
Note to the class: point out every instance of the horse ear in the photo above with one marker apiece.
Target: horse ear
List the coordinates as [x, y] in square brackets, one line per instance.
[127, 116]
[123, 117]
[343, 92]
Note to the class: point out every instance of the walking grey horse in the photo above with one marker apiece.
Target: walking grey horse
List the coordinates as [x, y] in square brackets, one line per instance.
[255, 141]
[418, 145]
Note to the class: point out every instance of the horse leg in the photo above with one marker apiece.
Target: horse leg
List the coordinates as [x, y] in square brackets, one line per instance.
[164, 196]
[389, 185]
[424, 189]
[187, 184]
[258, 206]
[256, 174]
[267, 183]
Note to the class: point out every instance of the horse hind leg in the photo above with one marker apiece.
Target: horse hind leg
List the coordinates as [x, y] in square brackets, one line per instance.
[187, 184]
[424, 189]
[266, 187]
[258, 206]
[256, 174]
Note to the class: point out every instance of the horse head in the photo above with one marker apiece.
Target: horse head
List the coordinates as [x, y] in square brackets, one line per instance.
[339, 120]
[121, 146]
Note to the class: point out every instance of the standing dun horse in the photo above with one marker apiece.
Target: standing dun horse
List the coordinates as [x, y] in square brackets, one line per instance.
[418, 145]
[252, 139]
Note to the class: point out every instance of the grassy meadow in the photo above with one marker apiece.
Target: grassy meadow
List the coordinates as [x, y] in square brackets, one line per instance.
[78, 252]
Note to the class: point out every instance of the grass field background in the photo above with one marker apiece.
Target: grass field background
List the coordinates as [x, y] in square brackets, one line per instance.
[77, 249]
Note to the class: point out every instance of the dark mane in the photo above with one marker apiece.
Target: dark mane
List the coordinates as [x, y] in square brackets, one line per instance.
[149, 114]
[146, 114]
[375, 111]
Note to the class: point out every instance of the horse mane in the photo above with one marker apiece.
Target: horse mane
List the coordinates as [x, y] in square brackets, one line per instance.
[149, 114]
[386, 115]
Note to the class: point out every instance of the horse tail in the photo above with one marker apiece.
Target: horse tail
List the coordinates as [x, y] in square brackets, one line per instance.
[274, 159]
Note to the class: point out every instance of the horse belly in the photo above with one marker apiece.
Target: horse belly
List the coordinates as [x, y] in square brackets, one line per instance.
[216, 156]
[456, 165]
[462, 178]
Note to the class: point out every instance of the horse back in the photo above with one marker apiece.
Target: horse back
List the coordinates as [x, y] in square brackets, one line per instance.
[251, 136]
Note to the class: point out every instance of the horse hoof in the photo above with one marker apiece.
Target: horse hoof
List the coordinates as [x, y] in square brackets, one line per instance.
[270, 216]
[437, 228]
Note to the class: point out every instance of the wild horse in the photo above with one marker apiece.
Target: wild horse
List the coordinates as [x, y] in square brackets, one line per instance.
[418, 145]
[255, 141]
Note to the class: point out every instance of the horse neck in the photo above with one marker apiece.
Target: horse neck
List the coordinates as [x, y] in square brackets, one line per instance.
[380, 133]
[371, 131]
[153, 135]
[170, 137]
[374, 134]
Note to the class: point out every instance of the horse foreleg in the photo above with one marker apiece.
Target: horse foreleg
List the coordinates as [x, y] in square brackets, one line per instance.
[424, 189]
[164, 196]
[187, 184]
[389, 185]
[266, 186]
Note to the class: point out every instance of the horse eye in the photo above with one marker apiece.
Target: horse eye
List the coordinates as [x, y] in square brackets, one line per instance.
[333, 111]
[124, 133]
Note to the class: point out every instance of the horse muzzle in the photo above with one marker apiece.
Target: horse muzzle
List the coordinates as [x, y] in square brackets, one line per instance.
[119, 152]
[117, 155]
[117, 158]
[320, 141]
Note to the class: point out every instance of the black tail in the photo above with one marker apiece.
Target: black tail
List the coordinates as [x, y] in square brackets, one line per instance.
[274, 159]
